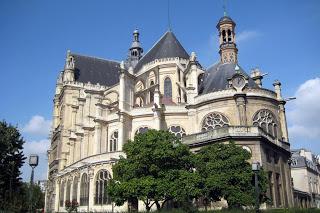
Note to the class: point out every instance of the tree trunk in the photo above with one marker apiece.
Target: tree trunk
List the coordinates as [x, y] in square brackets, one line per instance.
[158, 205]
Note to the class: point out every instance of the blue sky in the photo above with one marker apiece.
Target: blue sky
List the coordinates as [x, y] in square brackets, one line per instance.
[279, 37]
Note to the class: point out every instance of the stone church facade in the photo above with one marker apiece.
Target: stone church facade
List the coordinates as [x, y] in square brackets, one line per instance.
[99, 104]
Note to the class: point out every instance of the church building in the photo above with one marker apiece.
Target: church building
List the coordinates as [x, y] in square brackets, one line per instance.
[99, 104]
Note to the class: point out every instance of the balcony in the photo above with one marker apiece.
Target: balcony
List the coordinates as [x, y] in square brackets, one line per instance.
[232, 132]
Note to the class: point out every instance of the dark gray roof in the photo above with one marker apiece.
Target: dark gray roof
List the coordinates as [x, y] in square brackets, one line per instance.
[167, 47]
[96, 70]
[216, 77]
[226, 19]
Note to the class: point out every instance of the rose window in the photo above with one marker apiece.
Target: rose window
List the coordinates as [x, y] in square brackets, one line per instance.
[178, 131]
[214, 120]
[266, 120]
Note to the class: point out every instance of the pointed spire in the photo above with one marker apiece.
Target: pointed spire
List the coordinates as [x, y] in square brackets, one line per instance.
[135, 51]
[224, 8]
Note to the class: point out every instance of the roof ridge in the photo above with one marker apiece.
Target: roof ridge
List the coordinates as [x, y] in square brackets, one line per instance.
[94, 57]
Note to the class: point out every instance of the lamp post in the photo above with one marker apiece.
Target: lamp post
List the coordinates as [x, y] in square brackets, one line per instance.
[256, 169]
[33, 162]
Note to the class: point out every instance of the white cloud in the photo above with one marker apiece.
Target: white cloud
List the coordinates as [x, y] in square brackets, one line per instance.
[303, 119]
[37, 125]
[36, 147]
[247, 35]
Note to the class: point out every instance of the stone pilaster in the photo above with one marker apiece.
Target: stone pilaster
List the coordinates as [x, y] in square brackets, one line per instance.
[241, 106]
[121, 132]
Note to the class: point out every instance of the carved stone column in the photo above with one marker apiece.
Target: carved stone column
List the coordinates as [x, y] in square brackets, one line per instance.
[121, 132]
[97, 133]
[57, 196]
[241, 105]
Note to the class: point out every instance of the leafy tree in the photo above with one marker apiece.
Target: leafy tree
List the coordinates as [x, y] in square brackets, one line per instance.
[227, 173]
[158, 168]
[11, 159]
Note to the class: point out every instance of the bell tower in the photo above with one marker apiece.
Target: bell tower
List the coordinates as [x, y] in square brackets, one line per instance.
[228, 48]
[135, 51]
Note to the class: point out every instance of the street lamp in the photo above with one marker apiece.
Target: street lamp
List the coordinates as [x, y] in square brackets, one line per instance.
[33, 162]
[256, 169]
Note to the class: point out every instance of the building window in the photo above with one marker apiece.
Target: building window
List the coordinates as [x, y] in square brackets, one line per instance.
[114, 141]
[142, 130]
[84, 192]
[178, 131]
[68, 190]
[61, 193]
[75, 189]
[167, 88]
[266, 120]
[214, 120]
[278, 184]
[101, 196]
[270, 181]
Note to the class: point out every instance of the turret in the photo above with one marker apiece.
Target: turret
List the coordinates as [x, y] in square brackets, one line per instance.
[228, 48]
[135, 51]
[68, 73]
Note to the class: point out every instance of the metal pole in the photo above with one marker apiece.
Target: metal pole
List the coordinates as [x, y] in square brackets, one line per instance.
[31, 188]
[256, 190]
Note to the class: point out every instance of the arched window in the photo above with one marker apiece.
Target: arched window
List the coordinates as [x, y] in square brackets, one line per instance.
[151, 93]
[84, 191]
[101, 197]
[139, 102]
[167, 88]
[142, 130]
[61, 193]
[178, 131]
[114, 141]
[229, 35]
[75, 189]
[265, 119]
[214, 120]
[68, 190]
[224, 36]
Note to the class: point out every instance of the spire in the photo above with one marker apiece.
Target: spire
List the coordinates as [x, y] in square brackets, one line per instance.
[135, 51]
[224, 8]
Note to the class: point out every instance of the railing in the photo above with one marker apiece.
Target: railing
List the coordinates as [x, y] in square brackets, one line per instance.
[232, 131]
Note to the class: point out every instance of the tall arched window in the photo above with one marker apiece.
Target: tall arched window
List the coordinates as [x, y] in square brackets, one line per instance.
[101, 197]
[114, 141]
[178, 131]
[84, 191]
[68, 190]
[151, 94]
[265, 119]
[229, 35]
[75, 189]
[214, 120]
[61, 193]
[167, 88]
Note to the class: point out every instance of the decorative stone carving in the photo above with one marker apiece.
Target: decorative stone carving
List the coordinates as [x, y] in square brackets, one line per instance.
[214, 120]
[178, 131]
[266, 120]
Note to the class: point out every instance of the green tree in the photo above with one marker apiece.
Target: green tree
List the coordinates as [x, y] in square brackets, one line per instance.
[157, 167]
[227, 174]
[11, 160]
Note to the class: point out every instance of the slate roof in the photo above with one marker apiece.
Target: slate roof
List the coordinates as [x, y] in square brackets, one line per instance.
[96, 70]
[216, 77]
[167, 47]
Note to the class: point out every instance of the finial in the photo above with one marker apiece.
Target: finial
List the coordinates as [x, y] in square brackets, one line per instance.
[193, 57]
[224, 8]
[122, 65]
[68, 53]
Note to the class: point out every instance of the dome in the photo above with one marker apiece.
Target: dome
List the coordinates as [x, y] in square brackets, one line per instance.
[216, 77]
[225, 19]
